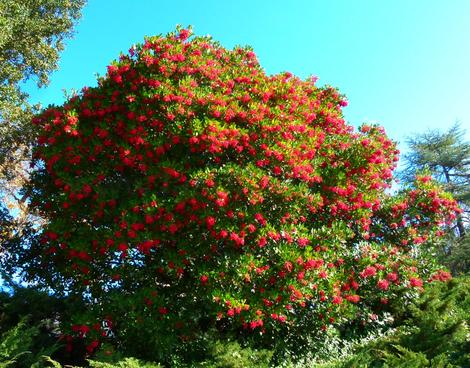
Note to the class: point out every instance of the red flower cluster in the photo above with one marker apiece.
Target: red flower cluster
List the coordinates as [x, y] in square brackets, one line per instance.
[189, 183]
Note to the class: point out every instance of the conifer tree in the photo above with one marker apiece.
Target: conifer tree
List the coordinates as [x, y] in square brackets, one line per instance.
[446, 155]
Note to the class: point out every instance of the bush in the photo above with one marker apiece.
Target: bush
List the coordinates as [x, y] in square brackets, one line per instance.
[189, 192]
[232, 355]
[30, 327]
[125, 363]
[20, 347]
[434, 333]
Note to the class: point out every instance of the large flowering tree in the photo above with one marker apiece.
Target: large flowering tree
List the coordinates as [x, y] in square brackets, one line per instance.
[189, 187]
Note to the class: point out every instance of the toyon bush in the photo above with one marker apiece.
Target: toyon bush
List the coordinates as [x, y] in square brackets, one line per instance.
[189, 190]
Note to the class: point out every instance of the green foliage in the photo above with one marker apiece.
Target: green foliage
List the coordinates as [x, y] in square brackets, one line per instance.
[40, 308]
[17, 341]
[190, 192]
[125, 363]
[429, 332]
[6, 226]
[232, 355]
[29, 327]
[31, 38]
[439, 321]
[227, 354]
[456, 254]
[446, 156]
[33, 34]
[434, 332]
[19, 347]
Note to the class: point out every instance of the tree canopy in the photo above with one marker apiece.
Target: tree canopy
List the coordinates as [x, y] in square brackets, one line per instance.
[189, 190]
[446, 156]
[32, 35]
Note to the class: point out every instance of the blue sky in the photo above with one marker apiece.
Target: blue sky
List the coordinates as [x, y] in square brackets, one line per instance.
[404, 64]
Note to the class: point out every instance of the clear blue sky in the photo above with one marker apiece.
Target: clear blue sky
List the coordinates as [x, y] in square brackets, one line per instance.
[404, 64]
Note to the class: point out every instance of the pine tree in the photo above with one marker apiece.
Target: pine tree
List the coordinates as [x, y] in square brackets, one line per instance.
[446, 155]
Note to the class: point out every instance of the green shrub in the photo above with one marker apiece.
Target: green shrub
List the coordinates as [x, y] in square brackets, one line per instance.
[232, 355]
[19, 347]
[125, 363]
[434, 332]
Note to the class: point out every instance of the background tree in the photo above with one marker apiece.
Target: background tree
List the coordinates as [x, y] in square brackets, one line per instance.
[32, 35]
[446, 155]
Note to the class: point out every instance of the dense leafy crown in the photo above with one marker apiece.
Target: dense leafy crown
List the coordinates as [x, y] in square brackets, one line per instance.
[32, 35]
[190, 187]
